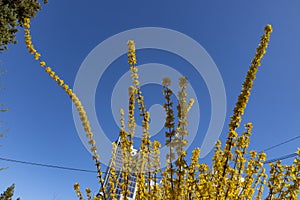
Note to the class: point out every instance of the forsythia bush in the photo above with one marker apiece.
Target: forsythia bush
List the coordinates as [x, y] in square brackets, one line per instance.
[236, 172]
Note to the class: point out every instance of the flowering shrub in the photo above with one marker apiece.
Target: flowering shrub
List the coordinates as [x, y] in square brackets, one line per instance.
[236, 172]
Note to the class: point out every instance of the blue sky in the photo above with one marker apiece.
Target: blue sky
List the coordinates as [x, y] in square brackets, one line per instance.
[40, 118]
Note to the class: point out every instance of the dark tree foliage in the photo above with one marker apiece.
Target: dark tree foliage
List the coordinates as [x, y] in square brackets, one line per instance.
[12, 13]
[8, 193]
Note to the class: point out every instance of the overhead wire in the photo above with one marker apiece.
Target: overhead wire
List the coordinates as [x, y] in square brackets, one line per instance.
[93, 171]
[282, 143]
[281, 158]
[284, 157]
[46, 165]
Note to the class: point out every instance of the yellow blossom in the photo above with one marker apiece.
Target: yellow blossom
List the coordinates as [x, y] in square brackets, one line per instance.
[27, 32]
[65, 87]
[94, 149]
[37, 56]
[92, 142]
[26, 25]
[89, 134]
[48, 69]
[131, 45]
[166, 82]
[122, 111]
[51, 74]
[60, 82]
[43, 64]
[69, 92]
[26, 20]
[76, 186]
[56, 78]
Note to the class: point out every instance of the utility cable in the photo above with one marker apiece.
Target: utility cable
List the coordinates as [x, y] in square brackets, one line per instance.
[282, 143]
[281, 158]
[47, 165]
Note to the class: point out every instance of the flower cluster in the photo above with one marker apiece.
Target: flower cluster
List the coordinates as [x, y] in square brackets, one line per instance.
[77, 190]
[113, 178]
[248, 83]
[144, 164]
[126, 143]
[170, 130]
[243, 98]
[236, 172]
[82, 113]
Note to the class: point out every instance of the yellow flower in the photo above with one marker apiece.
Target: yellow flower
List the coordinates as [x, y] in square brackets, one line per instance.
[48, 69]
[43, 64]
[136, 82]
[51, 74]
[253, 154]
[27, 32]
[26, 25]
[131, 46]
[232, 134]
[27, 37]
[89, 134]
[60, 82]
[262, 156]
[87, 128]
[88, 190]
[132, 61]
[191, 103]
[122, 111]
[56, 78]
[94, 149]
[134, 76]
[69, 92]
[65, 87]
[92, 142]
[76, 186]
[77, 103]
[183, 82]
[268, 28]
[147, 116]
[37, 56]
[28, 42]
[166, 82]
[96, 157]
[26, 20]
[134, 69]
[131, 90]
[31, 49]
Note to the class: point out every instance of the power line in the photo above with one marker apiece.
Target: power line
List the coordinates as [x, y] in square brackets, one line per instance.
[282, 143]
[91, 171]
[47, 165]
[282, 158]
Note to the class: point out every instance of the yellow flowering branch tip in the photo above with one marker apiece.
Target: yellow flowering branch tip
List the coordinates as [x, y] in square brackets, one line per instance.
[166, 82]
[74, 98]
[122, 112]
[132, 58]
[76, 186]
[131, 46]
[248, 83]
[88, 193]
[77, 190]
[268, 28]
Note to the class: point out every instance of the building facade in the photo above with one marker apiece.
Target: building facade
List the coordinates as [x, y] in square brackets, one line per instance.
[132, 187]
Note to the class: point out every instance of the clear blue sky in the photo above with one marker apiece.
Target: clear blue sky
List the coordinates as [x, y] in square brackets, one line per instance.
[40, 118]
